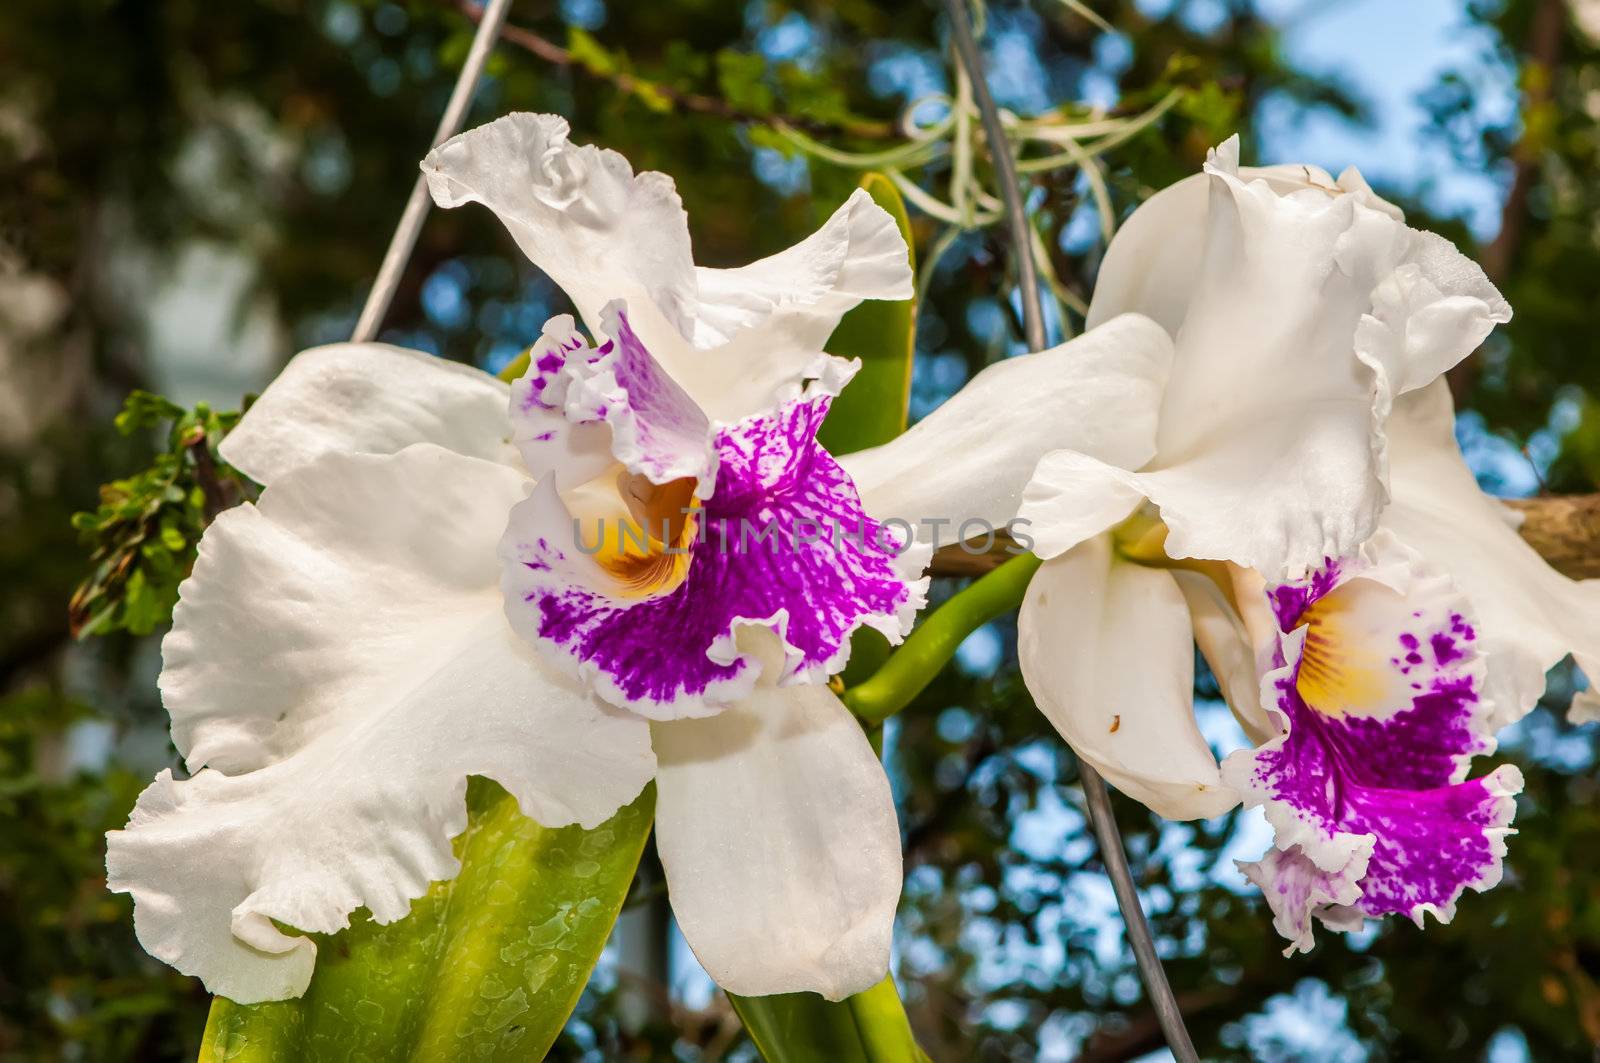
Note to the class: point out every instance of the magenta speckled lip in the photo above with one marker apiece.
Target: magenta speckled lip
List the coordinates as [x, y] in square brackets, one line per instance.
[674, 653]
[1378, 695]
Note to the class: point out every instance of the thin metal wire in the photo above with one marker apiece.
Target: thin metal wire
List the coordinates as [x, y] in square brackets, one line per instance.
[1144, 946]
[1005, 168]
[1101, 818]
[405, 234]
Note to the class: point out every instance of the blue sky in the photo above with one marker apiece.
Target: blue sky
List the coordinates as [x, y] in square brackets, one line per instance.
[1388, 53]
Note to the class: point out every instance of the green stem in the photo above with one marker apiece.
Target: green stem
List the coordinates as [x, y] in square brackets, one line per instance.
[928, 648]
[883, 1027]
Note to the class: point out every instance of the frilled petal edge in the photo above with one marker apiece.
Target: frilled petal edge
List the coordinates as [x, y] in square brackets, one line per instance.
[338, 665]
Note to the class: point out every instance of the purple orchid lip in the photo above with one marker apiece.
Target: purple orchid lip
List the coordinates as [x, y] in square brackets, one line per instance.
[714, 528]
[1378, 696]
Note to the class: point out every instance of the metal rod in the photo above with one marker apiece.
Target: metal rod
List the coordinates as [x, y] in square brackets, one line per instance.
[1157, 988]
[1144, 946]
[1005, 168]
[405, 234]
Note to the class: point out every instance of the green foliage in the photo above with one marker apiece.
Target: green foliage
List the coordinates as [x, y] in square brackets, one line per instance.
[143, 536]
[74, 983]
[742, 78]
[486, 966]
[1540, 374]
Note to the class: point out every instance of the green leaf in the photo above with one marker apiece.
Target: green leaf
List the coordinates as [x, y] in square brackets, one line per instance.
[741, 77]
[487, 966]
[870, 1027]
[872, 409]
[142, 536]
[799, 1028]
[590, 52]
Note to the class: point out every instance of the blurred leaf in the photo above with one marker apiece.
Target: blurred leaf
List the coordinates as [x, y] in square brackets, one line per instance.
[741, 76]
[142, 537]
[486, 966]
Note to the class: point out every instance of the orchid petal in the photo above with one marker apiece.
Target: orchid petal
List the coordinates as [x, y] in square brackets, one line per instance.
[1312, 308]
[368, 398]
[339, 663]
[739, 340]
[655, 428]
[1299, 892]
[777, 831]
[550, 443]
[762, 325]
[1073, 497]
[1529, 615]
[1377, 697]
[580, 214]
[1153, 264]
[971, 458]
[1106, 650]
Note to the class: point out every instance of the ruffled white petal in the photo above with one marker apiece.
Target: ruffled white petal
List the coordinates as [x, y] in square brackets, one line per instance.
[972, 457]
[1311, 309]
[580, 214]
[777, 832]
[762, 325]
[1153, 265]
[368, 398]
[1106, 650]
[857, 254]
[739, 340]
[338, 665]
[1529, 615]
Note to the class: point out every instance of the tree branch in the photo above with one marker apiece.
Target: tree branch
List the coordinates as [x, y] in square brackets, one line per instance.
[1565, 530]
[692, 102]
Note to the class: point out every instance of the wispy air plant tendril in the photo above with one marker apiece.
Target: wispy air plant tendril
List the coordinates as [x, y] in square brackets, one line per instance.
[967, 200]
[950, 143]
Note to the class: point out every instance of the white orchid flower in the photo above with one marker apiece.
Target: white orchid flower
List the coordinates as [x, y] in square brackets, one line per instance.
[1299, 308]
[1303, 414]
[413, 601]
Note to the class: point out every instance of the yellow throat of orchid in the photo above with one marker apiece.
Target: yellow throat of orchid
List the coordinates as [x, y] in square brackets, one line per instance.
[638, 532]
[1341, 668]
